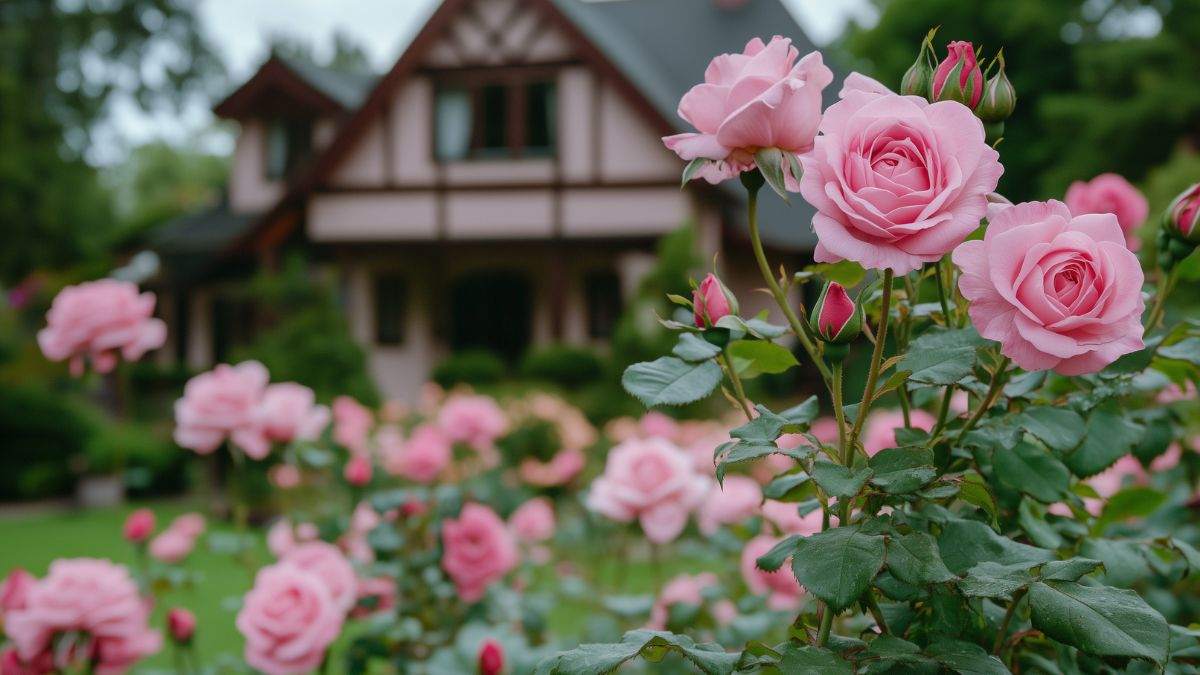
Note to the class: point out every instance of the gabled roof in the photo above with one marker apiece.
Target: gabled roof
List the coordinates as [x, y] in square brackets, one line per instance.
[309, 85]
[655, 50]
[189, 243]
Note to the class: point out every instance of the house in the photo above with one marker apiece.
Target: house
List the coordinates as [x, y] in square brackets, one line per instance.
[502, 186]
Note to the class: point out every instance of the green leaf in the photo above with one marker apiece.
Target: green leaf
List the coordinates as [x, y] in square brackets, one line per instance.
[1110, 435]
[764, 428]
[966, 543]
[810, 660]
[839, 481]
[1158, 436]
[903, 470]
[597, 659]
[1099, 620]
[693, 167]
[671, 381]
[838, 565]
[774, 559]
[1069, 570]
[1059, 428]
[1132, 502]
[770, 164]
[993, 580]
[846, 272]
[1033, 471]
[1190, 555]
[751, 358]
[914, 559]
[1187, 350]
[786, 488]
[942, 357]
[804, 412]
[764, 329]
[742, 451]
[629, 606]
[975, 491]
[692, 347]
[1032, 519]
[965, 657]
[1124, 562]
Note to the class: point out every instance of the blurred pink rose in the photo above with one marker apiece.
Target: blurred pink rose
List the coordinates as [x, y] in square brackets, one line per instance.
[783, 592]
[283, 536]
[422, 458]
[477, 550]
[1111, 193]
[289, 619]
[881, 428]
[533, 521]
[326, 562]
[1057, 292]
[785, 516]
[733, 502]
[358, 470]
[375, 595]
[491, 657]
[139, 526]
[650, 480]
[14, 591]
[724, 611]
[472, 419]
[684, 589]
[171, 546]
[222, 404]
[560, 470]
[897, 181]
[658, 425]
[190, 524]
[84, 595]
[285, 476]
[12, 664]
[352, 422]
[181, 624]
[760, 98]
[98, 320]
[1173, 394]
[288, 412]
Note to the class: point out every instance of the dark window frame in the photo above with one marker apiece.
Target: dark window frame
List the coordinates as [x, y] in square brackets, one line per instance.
[390, 321]
[602, 287]
[519, 86]
[298, 145]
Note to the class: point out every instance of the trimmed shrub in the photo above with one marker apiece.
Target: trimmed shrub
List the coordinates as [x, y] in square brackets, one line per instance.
[563, 365]
[474, 367]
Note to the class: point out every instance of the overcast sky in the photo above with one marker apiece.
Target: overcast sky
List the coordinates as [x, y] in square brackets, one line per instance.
[240, 29]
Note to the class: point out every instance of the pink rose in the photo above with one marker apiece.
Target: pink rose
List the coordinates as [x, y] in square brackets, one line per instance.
[93, 597]
[472, 419]
[533, 521]
[282, 537]
[181, 624]
[560, 470]
[14, 591]
[326, 562]
[786, 518]
[358, 471]
[1172, 393]
[12, 664]
[881, 428]
[1111, 193]
[422, 458]
[139, 526]
[783, 591]
[685, 589]
[650, 480]
[285, 476]
[172, 546]
[1057, 292]
[190, 524]
[711, 301]
[491, 658]
[1184, 213]
[761, 98]
[375, 595]
[220, 404]
[659, 425]
[897, 181]
[352, 422]
[968, 88]
[477, 550]
[288, 412]
[98, 320]
[288, 619]
[733, 502]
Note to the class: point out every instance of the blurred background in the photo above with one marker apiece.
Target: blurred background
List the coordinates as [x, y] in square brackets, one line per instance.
[370, 194]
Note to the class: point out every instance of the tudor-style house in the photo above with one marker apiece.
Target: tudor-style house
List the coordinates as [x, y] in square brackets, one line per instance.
[501, 186]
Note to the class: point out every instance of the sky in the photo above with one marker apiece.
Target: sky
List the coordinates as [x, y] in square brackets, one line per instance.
[239, 31]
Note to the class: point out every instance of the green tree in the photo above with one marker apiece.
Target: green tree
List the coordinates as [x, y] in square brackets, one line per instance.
[348, 56]
[60, 65]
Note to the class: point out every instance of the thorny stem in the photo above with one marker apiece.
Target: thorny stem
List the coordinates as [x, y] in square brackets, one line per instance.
[998, 643]
[998, 380]
[738, 390]
[876, 359]
[780, 297]
[826, 624]
[1165, 286]
[876, 613]
[941, 289]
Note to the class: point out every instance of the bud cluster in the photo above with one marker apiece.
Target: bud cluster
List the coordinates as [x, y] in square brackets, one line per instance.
[959, 77]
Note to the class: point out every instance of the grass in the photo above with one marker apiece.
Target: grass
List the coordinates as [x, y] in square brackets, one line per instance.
[32, 541]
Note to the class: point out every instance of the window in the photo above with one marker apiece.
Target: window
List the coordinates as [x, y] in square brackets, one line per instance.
[495, 119]
[602, 292]
[289, 143]
[391, 308]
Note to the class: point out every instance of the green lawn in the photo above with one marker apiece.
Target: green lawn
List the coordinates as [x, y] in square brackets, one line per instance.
[32, 541]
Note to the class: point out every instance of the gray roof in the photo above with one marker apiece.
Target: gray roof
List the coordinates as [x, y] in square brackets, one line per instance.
[189, 243]
[347, 88]
[663, 47]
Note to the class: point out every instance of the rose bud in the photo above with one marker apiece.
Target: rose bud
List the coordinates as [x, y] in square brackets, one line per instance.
[711, 301]
[836, 318]
[491, 658]
[999, 98]
[358, 471]
[958, 77]
[918, 79]
[1183, 215]
[181, 624]
[139, 526]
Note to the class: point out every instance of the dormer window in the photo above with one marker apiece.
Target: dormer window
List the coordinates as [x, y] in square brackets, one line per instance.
[289, 144]
[477, 118]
